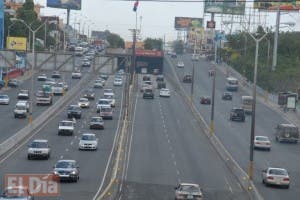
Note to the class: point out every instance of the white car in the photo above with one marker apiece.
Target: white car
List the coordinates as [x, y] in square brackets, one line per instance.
[98, 84]
[24, 103]
[195, 57]
[66, 127]
[276, 176]
[23, 94]
[4, 99]
[188, 191]
[42, 77]
[118, 82]
[88, 141]
[20, 110]
[103, 102]
[111, 97]
[76, 75]
[84, 103]
[38, 149]
[180, 64]
[164, 92]
[262, 142]
[109, 91]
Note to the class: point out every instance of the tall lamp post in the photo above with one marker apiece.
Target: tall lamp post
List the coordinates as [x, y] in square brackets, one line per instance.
[254, 105]
[33, 66]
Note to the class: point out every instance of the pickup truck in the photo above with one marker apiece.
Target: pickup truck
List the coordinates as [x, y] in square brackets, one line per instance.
[66, 127]
[43, 98]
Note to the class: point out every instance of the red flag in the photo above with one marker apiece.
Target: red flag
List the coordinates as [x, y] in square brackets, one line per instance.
[135, 6]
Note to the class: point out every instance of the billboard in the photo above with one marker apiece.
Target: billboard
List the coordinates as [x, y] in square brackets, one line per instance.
[16, 43]
[233, 7]
[188, 23]
[67, 4]
[285, 5]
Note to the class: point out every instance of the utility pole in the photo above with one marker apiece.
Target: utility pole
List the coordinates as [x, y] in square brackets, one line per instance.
[212, 123]
[274, 63]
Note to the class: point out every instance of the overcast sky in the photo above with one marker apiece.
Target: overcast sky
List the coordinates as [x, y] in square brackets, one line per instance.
[156, 18]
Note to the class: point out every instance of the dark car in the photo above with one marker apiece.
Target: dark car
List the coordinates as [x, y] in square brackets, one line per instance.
[161, 84]
[104, 76]
[227, 96]
[67, 170]
[237, 114]
[205, 100]
[13, 83]
[74, 111]
[173, 55]
[160, 78]
[147, 78]
[96, 123]
[86, 64]
[56, 74]
[287, 133]
[187, 79]
[148, 94]
[89, 94]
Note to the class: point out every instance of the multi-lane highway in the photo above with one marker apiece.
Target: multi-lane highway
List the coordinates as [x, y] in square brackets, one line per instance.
[236, 136]
[92, 163]
[167, 146]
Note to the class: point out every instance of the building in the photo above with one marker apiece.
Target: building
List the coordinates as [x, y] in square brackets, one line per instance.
[13, 5]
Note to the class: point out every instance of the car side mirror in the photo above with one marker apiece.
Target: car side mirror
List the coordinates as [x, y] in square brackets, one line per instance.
[264, 170]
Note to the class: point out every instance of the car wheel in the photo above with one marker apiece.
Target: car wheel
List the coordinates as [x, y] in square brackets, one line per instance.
[287, 187]
[15, 116]
[263, 181]
[29, 157]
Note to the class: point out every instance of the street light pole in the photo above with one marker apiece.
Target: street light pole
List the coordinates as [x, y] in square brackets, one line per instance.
[33, 66]
[251, 163]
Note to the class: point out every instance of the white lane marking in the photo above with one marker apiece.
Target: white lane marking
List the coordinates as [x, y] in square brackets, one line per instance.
[169, 141]
[66, 149]
[131, 137]
[61, 157]
[178, 173]
[72, 143]
[111, 153]
[173, 156]
[175, 163]
[229, 186]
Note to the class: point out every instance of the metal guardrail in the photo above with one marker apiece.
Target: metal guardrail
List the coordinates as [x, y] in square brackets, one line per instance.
[233, 166]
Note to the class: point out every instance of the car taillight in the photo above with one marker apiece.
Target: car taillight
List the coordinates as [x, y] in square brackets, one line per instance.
[270, 177]
[286, 179]
[257, 142]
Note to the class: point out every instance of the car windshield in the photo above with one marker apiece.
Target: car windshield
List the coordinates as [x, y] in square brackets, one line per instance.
[75, 108]
[148, 90]
[107, 96]
[65, 164]
[66, 123]
[278, 172]
[20, 107]
[105, 102]
[83, 100]
[189, 188]
[37, 144]
[108, 91]
[262, 138]
[3, 97]
[88, 137]
[96, 119]
[239, 111]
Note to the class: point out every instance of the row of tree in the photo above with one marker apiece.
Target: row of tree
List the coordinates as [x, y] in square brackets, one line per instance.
[240, 53]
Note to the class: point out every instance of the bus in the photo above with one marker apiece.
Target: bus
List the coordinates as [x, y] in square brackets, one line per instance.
[247, 104]
[232, 84]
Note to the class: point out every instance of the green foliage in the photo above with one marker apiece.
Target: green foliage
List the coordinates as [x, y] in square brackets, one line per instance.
[153, 44]
[178, 46]
[115, 40]
[240, 54]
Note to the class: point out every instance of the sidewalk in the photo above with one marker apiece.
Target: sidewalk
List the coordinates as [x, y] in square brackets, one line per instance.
[263, 96]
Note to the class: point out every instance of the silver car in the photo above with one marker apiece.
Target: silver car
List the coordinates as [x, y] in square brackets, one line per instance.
[39, 149]
[66, 170]
[276, 176]
[4, 99]
[188, 191]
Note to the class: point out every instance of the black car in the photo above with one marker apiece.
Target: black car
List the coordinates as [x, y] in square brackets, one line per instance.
[205, 100]
[89, 94]
[13, 83]
[104, 76]
[187, 79]
[161, 84]
[227, 96]
[74, 111]
[56, 74]
[237, 114]
[160, 78]
[96, 123]
[148, 94]
[147, 78]
[173, 55]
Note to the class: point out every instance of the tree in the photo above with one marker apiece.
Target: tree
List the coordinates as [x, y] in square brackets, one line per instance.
[114, 40]
[153, 44]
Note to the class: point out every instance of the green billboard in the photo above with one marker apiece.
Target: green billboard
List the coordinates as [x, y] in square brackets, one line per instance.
[233, 7]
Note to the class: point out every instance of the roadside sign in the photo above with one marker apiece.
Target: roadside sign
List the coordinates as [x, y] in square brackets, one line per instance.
[291, 102]
[16, 43]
